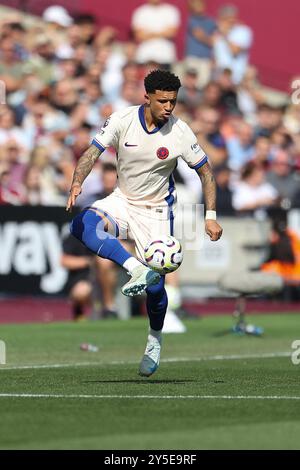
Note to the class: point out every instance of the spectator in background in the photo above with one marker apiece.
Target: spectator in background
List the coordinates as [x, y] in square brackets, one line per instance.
[77, 259]
[281, 139]
[211, 95]
[11, 66]
[10, 131]
[44, 123]
[284, 255]
[155, 26]
[207, 129]
[55, 168]
[35, 193]
[8, 194]
[282, 177]
[268, 119]
[57, 21]
[199, 41]
[262, 151]
[108, 178]
[189, 93]
[253, 192]
[224, 192]
[228, 99]
[232, 43]
[17, 33]
[57, 16]
[249, 94]
[87, 27]
[15, 167]
[240, 146]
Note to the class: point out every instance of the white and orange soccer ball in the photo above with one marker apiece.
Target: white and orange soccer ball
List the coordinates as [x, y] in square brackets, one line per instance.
[163, 254]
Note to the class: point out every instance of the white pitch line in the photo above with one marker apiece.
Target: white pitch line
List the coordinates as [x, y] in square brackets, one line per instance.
[154, 397]
[167, 360]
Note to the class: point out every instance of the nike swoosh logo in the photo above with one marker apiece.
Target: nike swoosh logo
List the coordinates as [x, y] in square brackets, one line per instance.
[130, 145]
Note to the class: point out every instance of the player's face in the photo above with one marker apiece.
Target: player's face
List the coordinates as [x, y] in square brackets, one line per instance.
[162, 104]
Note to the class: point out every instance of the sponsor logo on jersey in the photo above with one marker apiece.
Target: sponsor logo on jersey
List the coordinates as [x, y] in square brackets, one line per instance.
[130, 145]
[106, 123]
[162, 153]
[195, 147]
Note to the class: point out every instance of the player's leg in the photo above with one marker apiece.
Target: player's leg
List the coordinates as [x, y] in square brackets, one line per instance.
[144, 225]
[80, 295]
[98, 230]
[157, 303]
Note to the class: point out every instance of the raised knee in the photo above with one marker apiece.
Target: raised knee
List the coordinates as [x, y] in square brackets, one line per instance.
[77, 226]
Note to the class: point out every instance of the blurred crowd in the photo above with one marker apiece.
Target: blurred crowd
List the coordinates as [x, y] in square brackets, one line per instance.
[64, 75]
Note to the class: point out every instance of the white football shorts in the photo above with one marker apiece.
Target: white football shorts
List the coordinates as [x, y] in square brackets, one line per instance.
[140, 223]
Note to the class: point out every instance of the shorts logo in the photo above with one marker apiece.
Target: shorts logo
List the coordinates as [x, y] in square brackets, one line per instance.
[162, 153]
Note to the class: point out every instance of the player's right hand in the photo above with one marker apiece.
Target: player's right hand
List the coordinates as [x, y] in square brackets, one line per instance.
[74, 192]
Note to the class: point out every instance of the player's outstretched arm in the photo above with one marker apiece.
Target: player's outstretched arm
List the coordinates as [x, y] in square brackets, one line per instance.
[212, 228]
[83, 168]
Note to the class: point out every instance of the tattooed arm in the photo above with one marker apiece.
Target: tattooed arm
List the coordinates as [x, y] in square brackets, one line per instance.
[83, 168]
[212, 228]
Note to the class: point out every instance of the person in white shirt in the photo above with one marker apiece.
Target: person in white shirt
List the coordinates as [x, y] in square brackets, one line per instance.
[155, 27]
[232, 43]
[148, 140]
[253, 192]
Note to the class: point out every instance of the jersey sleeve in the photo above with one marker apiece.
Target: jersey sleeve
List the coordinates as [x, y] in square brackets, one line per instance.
[108, 135]
[191, 152]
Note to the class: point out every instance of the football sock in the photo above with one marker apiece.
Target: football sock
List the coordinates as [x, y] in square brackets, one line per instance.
[90, 228]
[155, 334]
[157, 303]
[131, 263]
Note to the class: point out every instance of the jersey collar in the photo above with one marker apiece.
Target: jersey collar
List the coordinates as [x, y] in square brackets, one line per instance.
[143, 122]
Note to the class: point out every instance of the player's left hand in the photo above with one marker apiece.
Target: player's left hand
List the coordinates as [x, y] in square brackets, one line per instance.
[213, 230]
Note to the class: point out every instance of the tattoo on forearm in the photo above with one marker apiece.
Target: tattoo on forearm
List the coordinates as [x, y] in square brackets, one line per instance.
[209, 187]
[85, 164]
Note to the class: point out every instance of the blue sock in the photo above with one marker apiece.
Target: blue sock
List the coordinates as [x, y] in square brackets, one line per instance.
[157, 303]
[91, 229]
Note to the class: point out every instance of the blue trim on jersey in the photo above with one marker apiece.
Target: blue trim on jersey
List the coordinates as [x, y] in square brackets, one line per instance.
[170, 201]
[200, 164]
[143, 122]
[99, 146]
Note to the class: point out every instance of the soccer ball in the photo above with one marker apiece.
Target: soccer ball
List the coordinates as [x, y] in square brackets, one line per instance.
[163, 254]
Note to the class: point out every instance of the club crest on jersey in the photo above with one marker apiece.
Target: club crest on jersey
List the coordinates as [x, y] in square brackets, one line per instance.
[162, 153]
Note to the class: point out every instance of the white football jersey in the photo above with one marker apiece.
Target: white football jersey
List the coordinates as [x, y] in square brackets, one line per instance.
[146, 160]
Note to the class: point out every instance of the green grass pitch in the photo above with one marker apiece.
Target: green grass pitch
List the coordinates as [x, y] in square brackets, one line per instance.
[212, 391]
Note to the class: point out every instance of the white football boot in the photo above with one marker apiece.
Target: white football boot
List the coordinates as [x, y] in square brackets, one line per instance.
[150, 360]
[141, 278]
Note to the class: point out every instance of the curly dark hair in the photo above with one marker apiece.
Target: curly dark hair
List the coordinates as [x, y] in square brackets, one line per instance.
[161, 80]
